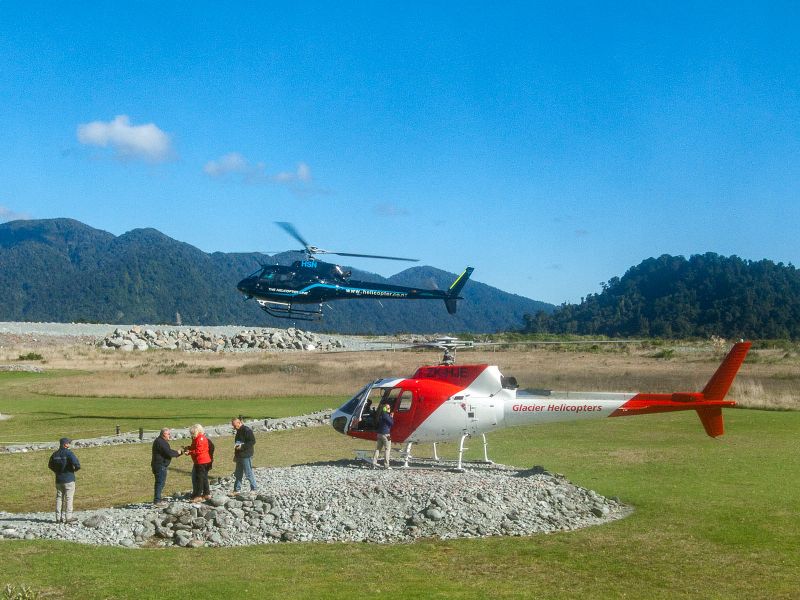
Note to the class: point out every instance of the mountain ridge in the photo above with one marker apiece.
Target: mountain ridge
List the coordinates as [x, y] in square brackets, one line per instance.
[64, 270]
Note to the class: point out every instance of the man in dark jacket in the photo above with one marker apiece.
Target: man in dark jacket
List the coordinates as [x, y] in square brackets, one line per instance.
[384, 429]
[243, 455]
[162, 456]
[64, 463]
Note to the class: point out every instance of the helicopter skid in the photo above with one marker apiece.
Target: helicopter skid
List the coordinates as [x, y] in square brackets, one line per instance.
[285, 310]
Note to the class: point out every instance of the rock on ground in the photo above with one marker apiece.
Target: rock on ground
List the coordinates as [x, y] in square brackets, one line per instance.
[339, 502]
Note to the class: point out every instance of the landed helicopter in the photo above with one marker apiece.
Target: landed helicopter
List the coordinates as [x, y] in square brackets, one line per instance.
[449, 402]
[287, 291]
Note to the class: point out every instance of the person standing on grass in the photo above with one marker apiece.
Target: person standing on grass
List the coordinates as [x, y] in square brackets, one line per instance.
[162, 456]
[243, 455]
[201, 457]
[64, 463]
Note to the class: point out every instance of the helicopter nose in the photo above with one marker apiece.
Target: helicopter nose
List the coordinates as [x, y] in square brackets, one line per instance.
[244, 285]
[340, 419]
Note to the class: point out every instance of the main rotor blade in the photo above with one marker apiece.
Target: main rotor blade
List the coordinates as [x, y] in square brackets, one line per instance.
[292, 231]
[368, 256]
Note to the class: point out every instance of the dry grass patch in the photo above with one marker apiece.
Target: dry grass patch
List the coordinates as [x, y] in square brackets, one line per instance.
[774, 374]
[751, 394]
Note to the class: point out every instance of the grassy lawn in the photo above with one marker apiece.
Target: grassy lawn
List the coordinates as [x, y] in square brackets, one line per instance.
[41, 417]
[713, 519]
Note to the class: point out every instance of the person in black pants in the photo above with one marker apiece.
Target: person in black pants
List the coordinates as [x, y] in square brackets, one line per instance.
[162, 456]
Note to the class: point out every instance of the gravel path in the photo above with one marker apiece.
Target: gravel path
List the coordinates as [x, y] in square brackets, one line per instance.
[263, 425]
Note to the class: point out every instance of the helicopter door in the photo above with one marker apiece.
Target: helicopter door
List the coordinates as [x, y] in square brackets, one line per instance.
[365, 413]
[402, 403]
[354, 408]
[481, 415]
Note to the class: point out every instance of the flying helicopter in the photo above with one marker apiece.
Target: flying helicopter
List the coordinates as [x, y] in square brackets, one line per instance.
[449, 402]
[288, 292]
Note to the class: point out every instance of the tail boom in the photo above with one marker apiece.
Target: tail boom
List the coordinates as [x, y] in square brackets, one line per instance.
[708, 403]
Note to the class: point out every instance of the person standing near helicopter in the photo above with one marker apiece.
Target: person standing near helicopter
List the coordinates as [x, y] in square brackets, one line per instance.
[384, 428]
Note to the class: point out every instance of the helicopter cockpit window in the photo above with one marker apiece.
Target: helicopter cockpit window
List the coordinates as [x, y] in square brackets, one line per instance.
[404, 401]
[390, 397]
[398, 399]
[354, 401]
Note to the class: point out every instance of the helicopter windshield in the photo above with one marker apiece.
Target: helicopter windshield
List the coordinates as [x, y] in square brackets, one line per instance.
[350, 406]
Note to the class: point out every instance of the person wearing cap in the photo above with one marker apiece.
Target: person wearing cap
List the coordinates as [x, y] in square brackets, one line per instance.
[243, 456]
[384, 428]
[64, 463]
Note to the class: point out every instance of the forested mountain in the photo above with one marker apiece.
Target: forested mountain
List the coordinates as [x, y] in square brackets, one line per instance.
[671, 296]
[62, 270]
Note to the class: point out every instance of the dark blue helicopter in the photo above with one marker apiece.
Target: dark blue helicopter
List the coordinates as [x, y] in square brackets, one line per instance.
[287, 291]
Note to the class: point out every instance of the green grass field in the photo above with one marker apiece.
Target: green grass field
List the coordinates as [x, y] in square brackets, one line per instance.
[43, 418]
[713, 519]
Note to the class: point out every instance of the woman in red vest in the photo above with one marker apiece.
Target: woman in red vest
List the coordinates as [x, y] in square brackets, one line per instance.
[201, 457]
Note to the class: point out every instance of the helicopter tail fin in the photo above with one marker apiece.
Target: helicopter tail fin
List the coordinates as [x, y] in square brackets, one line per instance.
[718, 386]
[455, 290]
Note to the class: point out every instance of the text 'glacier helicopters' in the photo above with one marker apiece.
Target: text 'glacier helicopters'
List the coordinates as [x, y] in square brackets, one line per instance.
[450, 402]
[288, 292]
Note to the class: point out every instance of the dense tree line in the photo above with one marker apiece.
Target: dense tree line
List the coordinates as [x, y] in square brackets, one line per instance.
[673, 297]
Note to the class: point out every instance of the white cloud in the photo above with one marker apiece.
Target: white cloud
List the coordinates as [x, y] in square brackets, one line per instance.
[230, 163]
[235, 165]
[128, 141]
[6, 214]
[302, 173]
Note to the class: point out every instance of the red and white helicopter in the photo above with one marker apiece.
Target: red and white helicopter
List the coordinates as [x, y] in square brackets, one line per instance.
[450, 402]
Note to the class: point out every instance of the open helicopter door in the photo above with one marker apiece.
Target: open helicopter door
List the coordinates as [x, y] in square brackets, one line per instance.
[348, 417]
[364, 410]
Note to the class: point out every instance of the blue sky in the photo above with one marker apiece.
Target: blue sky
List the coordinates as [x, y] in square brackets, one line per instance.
[551, 146]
